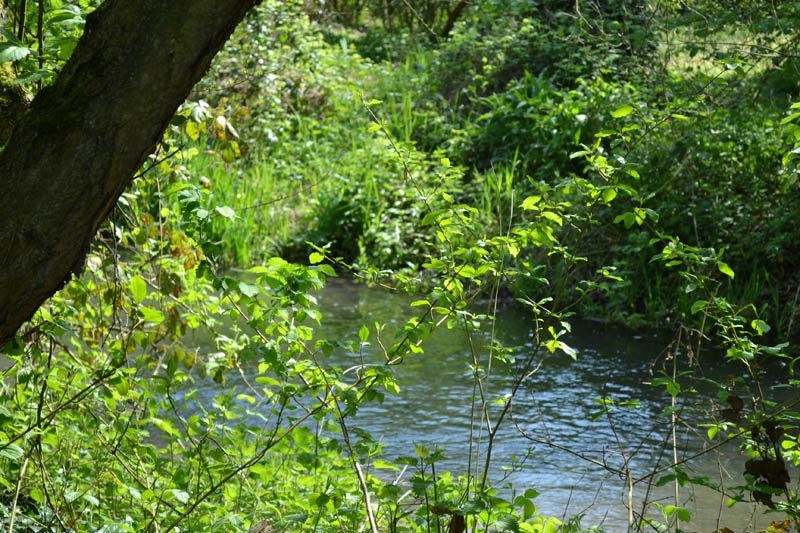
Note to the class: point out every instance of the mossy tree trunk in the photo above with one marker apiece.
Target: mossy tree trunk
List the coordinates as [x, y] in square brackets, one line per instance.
[79, 145]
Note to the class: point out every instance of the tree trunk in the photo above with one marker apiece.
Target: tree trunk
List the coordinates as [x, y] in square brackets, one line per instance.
[83, 138]
[453, 17]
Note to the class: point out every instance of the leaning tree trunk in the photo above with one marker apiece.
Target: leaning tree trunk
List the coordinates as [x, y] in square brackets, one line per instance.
[80, 143]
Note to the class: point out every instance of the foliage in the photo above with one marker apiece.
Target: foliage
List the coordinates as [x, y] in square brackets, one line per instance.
[614, 160]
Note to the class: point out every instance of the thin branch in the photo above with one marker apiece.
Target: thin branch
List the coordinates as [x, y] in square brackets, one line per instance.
[16, 496]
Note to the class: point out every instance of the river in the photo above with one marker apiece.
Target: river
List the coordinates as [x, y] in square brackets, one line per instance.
[559, 412]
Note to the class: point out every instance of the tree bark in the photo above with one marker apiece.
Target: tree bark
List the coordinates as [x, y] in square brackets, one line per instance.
[453, 17]
[83, 138]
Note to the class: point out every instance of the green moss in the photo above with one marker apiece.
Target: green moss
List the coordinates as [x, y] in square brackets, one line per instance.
[14, 101]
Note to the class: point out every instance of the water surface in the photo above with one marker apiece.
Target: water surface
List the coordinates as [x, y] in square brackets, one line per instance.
[557, 426]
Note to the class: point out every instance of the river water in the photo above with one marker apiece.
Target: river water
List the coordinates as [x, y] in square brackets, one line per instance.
[556, 418]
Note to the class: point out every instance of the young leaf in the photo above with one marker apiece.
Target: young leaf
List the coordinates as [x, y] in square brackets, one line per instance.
[138, 289]
[725, 269]
[152, 315]
[623, 111]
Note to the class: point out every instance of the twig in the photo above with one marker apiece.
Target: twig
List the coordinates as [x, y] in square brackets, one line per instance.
[61, 407]
[247, 464]
[16, 495]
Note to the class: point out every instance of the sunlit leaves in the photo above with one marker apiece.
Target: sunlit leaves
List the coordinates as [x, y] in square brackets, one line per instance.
[623, 111]
[152, 315]
[761, 327]
[725, 269]
[12, 49]
[138, 289]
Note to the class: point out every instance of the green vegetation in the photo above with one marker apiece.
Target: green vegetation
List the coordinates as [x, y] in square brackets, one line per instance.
[635, 162]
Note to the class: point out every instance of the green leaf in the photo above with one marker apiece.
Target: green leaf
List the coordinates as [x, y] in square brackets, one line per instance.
[315, 257]
[568, 350]
[683, 514]
[231, 152]
[760, 326]
[13, 52]
[9, 35]
[626, 218]
[13, 452]
[725, 269]
[32, 76]
[227, 212]
[248, 290]
[609, 194]
[138, 289]
[380, 463]
[165, 426]
[664, 480]
[530, 202]
[192, 129]
[699, 305]
[328, 270]
[790, 118]
[623, 111]
[152, 315]
[507, 523]
[363, 334]
[549, 215]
